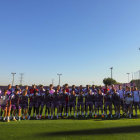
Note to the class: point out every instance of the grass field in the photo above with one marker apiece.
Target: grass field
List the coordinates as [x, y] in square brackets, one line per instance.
[71, 128]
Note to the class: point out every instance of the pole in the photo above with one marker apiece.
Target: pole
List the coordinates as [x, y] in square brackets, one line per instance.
[13, 78]
[59, 77]
[139, 74]
[128, 76]
[111, 72]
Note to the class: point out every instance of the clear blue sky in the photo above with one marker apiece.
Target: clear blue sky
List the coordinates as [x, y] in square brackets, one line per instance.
[81, 39]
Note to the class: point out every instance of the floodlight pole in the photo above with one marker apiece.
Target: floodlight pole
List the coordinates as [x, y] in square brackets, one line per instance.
[111, 72]
[59, 77]
[128, 76]
[13, 78]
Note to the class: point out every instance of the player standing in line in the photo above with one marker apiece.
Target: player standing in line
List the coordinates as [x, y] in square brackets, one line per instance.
[127, 104]
[116, 99]
[105, 90]
[23, 99]
[121, 93]
[71, 102]
[28, 93]
[80, 89]
[1, 108]
[125, 95]
[126, 90]
[89, 102]
[86, 92]
[99, 101]
[108, 102]
[51, 91]
[59, 89]
[136, 96]
[93, 90]
[67, 91]
[75, 92]
[14, 98]
[62, 102]
[40, 92]
[112, 89]
[45, 100]
[4, 100]
[32, 92]
[34, 103]
[54, 102]
[10, 91]
[80, 102]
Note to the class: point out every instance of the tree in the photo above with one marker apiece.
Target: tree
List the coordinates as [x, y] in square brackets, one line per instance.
[109, 81]
[20, 85]
[40, 85]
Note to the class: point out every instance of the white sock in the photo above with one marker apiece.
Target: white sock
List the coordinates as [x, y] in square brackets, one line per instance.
[13, 117]
[19, 117]
[8, 118]
[4, 118]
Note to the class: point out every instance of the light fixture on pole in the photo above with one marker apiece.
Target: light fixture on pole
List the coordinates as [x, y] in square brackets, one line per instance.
[111, 72]
[59, 77]
[128, 76]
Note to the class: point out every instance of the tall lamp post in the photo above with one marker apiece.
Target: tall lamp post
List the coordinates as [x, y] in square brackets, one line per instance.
[59, 77]
[128, 76]
[111, 72]
[13, 78]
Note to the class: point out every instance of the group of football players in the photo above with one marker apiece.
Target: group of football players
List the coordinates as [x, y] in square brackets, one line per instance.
[17, 104]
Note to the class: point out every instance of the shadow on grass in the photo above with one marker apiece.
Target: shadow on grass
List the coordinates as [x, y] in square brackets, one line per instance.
[99, 118]
[101, 131]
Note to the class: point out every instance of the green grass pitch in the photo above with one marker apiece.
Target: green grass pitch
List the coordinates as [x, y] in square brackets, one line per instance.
[72, 129]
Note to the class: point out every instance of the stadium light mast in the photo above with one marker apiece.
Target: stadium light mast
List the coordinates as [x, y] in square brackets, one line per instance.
[13, 78]
[111, 72]
[128, 76]
[59, 77]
